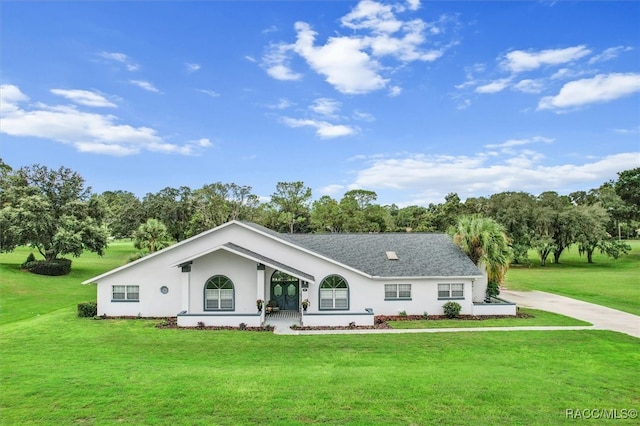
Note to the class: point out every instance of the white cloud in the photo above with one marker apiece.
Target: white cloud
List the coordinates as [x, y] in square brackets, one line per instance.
[374, 16]
[211, 93]
[250, 58]
[282, 103]
[276, 61]
[413, 4]
[145, 85]
[518, 60]
[11, 96]
[601, 88]
[324, 129]
[529, 86]
[84, 97]
[609, 54]
[325, 106]
[483, 174]
[331, 189]
[520, 142]
[363, 116]
[395, 91]
[341, 60]
[87, 132]
[120, 58]
[191, 68]
[353, 64]
[494, 87]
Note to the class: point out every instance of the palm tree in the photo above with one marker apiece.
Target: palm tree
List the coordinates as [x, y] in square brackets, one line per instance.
[152, 236]
[485, 242]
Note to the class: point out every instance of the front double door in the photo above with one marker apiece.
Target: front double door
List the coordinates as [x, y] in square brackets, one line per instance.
[285, 290]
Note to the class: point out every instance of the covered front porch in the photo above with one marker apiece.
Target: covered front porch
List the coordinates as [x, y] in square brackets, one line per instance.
[273, 291]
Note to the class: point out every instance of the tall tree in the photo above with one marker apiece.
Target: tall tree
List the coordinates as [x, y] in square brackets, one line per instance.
[514, 210]
[171, 206]
[291, 201]
[326, 215]
[123, 212]
[52, 211]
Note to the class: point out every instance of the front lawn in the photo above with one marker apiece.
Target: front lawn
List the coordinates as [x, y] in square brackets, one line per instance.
[60, 369]
[608, 282]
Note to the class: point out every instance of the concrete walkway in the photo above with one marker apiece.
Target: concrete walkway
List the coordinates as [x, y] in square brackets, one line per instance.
[601, 317]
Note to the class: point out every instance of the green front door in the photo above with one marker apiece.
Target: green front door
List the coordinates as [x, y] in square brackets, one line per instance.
[285, 290]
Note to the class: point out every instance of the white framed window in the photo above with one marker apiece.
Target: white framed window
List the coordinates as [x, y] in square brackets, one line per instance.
[219, 294]
[125, 293]
[397, 291]
[334, 293]
[450, 291]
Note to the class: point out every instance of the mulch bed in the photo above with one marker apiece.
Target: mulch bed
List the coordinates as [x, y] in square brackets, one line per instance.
[380, 322]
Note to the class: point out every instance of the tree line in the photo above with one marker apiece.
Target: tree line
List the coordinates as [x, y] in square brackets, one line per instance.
[56, 213]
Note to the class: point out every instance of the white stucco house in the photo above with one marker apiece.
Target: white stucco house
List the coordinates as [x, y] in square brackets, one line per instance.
[217, 277]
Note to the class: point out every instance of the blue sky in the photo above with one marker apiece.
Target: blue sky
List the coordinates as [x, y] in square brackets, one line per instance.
[410, 99]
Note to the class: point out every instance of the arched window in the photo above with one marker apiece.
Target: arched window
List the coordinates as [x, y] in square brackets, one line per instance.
[218, 294]
[334, 293]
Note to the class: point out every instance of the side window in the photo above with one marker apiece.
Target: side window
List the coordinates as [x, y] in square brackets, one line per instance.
[125, 293]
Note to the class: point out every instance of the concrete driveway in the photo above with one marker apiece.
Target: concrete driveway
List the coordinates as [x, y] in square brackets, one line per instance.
[600, 316]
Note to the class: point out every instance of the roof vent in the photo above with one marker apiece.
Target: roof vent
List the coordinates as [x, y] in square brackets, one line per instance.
[392, 255]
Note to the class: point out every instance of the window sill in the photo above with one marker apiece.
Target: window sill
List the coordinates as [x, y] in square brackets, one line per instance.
[450, 298]
[125, 300]
[396, 299]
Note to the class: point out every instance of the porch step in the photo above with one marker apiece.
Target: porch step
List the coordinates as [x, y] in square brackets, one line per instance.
[284, 315]
[283, 320]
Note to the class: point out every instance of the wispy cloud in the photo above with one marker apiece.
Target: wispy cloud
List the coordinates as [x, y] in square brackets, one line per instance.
[211, 93]
[324, 129]
[191, 67]
[84, 97]
[601, 88]
[325, 106]
[494, 86]
[609, 54]
[86, 131]
[145, 85]
[121, 58]
[519, 60]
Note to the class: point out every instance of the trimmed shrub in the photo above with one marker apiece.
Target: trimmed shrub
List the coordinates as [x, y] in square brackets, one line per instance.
[54, 267]
[30, 259]
[452, 309]
[87, 309]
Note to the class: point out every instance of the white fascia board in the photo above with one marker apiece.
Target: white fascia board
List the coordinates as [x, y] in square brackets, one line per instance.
[462, 277]
[149, 256]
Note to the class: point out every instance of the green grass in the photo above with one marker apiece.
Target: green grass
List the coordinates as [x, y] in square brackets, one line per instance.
[57, 368]
[25, 295]
[60, 369]
[608, 282]
[537, 318]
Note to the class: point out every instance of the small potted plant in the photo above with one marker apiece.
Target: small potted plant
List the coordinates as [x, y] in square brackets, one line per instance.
[305, 304]
[259, 304]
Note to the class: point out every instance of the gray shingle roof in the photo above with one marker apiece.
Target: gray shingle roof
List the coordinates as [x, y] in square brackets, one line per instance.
[418, 254]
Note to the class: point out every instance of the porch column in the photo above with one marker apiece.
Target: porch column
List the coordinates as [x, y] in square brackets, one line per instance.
[260, 289]
[185, 286]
